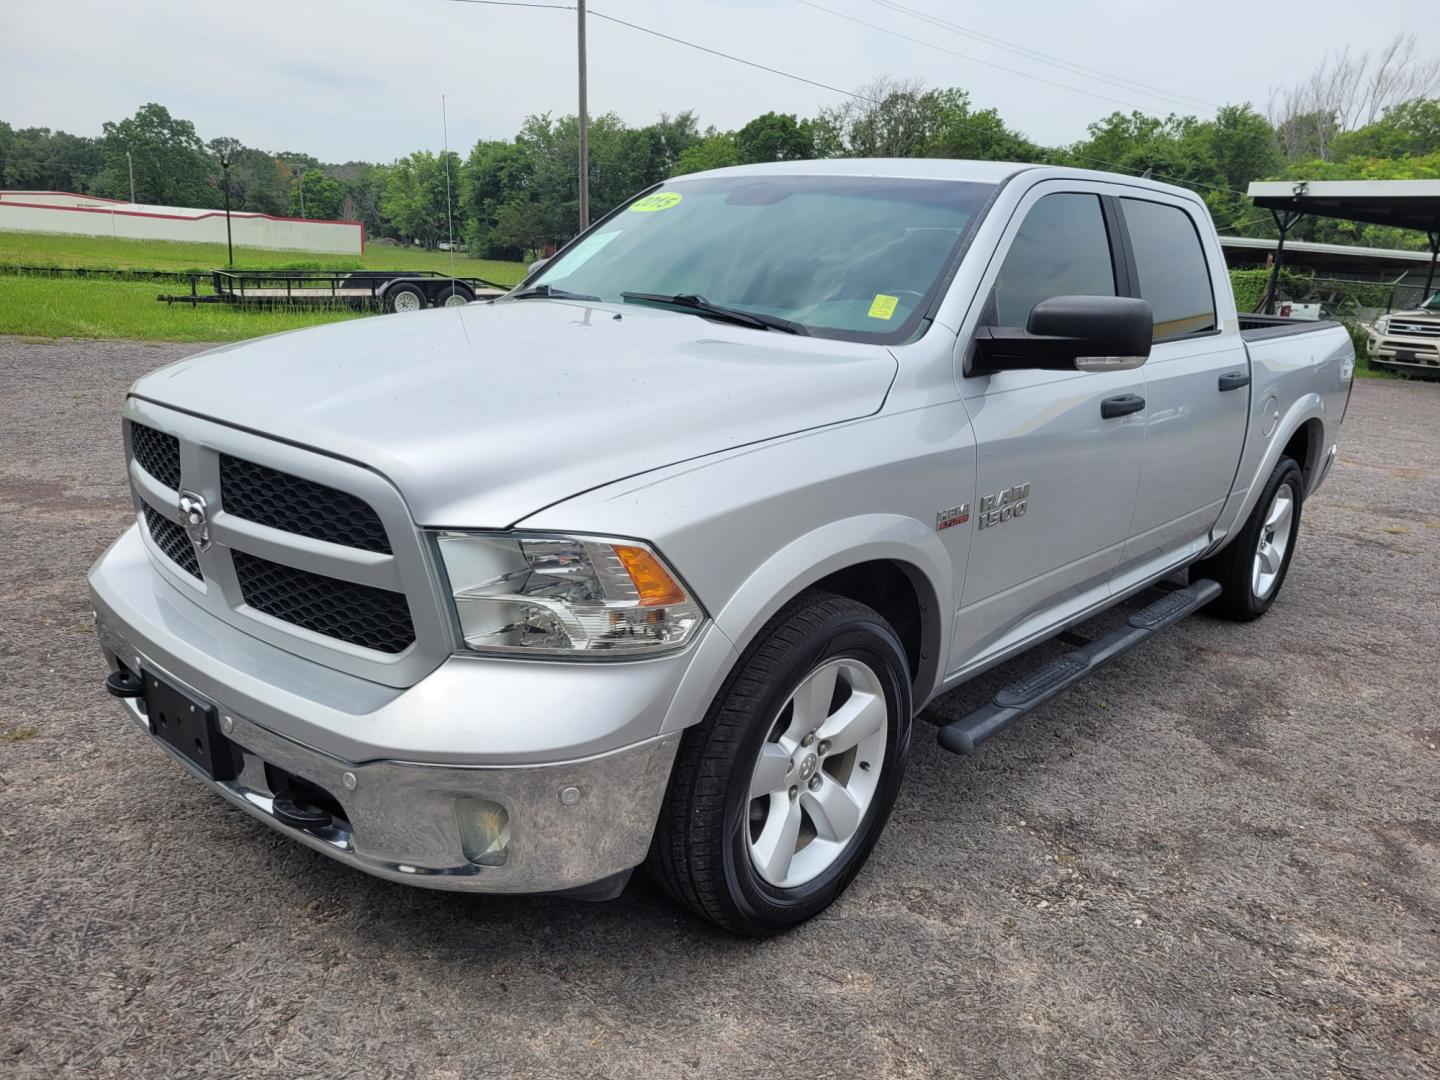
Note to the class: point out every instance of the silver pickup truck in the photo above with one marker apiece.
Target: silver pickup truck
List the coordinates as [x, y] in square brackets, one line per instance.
[654, 559]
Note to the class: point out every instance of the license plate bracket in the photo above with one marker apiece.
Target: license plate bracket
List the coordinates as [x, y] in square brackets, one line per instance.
[189, 726]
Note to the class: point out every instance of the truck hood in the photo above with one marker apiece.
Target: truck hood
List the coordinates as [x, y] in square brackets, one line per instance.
[484, 414]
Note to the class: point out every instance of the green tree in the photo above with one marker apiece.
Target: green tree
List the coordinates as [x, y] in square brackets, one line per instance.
[522, 226]
[38, 159]
[324, 197]
[775, 137]
[716, 150]
[170, 164]
[414, 198]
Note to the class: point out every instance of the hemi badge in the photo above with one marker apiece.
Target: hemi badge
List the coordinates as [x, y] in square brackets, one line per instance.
[956, 515]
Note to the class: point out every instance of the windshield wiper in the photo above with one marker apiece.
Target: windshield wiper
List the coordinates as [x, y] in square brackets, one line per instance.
[701, 306]
[549, 292]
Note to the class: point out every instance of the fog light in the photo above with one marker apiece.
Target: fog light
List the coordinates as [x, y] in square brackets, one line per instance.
[484, 831]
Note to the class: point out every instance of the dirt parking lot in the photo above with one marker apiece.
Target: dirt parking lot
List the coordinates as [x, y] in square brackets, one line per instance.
[1220, 857]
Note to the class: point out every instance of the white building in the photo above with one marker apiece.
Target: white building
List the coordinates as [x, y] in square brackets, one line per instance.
[90, 215]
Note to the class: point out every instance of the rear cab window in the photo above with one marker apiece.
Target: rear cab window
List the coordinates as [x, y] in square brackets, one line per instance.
[1170, 264]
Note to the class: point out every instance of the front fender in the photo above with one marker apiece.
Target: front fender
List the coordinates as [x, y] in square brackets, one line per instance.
[800, 564]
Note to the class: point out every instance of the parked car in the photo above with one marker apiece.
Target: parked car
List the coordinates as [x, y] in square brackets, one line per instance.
[655, 559]
[1408, 340]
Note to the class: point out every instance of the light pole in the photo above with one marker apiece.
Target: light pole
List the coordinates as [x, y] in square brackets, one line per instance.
[229, 243]
[583, 123]
[300, 181]
[130, 167]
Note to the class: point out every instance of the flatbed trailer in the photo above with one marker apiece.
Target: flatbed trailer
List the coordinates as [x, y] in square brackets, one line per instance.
[392, 290]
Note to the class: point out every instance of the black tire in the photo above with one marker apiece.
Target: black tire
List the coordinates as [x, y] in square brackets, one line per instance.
[454, 296]
[1233, 566]
[700, 851]
[394, 294]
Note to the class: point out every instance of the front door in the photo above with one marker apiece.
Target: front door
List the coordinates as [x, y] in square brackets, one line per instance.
[1056, 480]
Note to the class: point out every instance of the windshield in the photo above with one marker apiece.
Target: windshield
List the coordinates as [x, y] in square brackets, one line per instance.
[847, 257]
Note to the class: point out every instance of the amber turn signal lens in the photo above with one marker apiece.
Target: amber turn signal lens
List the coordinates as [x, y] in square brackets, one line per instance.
[655, 585]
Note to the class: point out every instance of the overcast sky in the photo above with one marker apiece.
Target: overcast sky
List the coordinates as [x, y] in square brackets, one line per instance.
[362, 79]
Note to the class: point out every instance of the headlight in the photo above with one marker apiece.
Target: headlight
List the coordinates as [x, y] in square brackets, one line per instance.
[565, 596]
[1381, 325]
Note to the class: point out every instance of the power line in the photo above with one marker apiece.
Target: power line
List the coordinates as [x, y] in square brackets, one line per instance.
[728, 56]
[964, 56]
[1111, 165]
[1035, 54]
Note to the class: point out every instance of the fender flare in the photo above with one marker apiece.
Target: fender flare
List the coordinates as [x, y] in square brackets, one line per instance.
[798, 565]
[1307, 407]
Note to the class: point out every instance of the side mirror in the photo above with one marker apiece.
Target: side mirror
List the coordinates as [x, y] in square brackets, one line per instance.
[535, 266]
[1070, 333]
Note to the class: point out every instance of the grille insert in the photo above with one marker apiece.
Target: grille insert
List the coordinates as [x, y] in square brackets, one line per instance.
[359, 614]
[157, 453]
[173, 541]
[270, 497]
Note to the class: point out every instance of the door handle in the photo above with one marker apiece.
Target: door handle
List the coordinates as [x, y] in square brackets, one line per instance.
[1234, 380]
[1123, 405]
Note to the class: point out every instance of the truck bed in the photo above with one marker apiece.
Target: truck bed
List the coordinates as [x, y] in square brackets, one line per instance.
[1263, 327]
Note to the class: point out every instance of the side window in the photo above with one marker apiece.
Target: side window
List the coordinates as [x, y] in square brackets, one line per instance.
[1062, 249]
[1171, 266]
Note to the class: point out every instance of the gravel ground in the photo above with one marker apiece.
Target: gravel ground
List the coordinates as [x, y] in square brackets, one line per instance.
[1216, 858]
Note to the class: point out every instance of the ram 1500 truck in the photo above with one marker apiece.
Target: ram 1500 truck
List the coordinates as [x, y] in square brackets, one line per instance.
[654, 559]
[1408, 340]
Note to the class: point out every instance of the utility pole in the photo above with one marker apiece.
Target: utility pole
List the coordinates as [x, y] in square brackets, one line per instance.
[584, 124]
[130, 165]
[300, 181]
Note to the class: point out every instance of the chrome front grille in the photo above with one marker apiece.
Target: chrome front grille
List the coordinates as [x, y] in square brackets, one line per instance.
[310, 553]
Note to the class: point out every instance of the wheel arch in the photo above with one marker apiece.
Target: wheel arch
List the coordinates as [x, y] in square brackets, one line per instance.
[889, 562]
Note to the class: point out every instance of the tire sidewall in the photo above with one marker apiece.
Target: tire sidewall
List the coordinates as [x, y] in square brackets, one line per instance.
[1287, 472]
[391, 296]
[871, 641]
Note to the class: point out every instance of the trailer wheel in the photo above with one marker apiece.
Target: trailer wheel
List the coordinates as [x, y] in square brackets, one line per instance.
[404, 298]
[456, 296]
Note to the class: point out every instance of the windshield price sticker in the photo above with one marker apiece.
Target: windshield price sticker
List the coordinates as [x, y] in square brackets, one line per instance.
[883, 307]
[660, 200]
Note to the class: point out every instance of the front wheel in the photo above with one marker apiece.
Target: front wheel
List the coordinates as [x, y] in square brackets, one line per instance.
[779, 794]
[1253, 566]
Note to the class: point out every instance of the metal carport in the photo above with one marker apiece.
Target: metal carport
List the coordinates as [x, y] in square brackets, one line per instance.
[1404, 204]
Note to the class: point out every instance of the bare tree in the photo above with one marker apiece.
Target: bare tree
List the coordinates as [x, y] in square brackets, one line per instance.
[1350, 90]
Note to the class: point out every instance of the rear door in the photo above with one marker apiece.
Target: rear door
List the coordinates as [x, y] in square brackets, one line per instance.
[1196, 385]
[1055, 480]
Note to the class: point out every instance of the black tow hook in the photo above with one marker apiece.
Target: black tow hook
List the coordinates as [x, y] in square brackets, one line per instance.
[298, 815]
[123, 684]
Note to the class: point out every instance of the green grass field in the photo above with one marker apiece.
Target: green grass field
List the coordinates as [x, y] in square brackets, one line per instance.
[71, 307]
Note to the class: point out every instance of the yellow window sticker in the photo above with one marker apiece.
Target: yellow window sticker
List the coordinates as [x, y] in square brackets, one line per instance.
[883, 307]
[660, 200]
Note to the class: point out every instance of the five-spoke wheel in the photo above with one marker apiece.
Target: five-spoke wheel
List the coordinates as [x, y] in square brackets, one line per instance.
[817, 772]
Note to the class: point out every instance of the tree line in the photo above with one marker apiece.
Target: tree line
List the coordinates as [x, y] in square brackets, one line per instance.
[1359, 116]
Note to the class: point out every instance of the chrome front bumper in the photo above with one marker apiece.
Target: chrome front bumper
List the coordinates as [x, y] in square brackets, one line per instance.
[567, 823]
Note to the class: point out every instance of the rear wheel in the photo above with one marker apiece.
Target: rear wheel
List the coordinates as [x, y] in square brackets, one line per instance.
[455, 296]
[779, 794]
[1253, 566]
[405, 298]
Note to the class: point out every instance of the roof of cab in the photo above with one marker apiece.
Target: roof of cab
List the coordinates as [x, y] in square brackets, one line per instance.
[985, 172]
